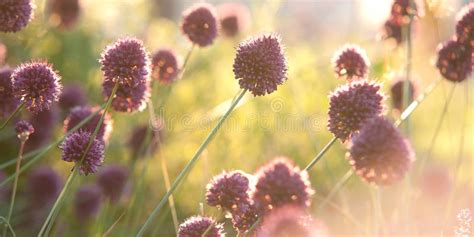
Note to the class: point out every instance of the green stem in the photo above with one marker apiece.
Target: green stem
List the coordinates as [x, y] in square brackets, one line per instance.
[12, 115]
[321, 154]
[189, 165]
[336, 188]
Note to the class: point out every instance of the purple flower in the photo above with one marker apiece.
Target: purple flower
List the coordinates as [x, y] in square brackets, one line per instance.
[37, 85]
[65, 11]
[23, 130]
[228, 190]
[112, 180]
[351, 105]
[72, 96]
[43, 186]
[87, 202]
[74, 146]
[138, 143]
[125, 61]
[244, 217]
[200, 24]
[454, 61]
[15, 14]
[260, 64]
[397, 93]
[392, 30]
[402, 9]
[465, 25]
[128, 99]
[379, 154]
[196, 226]
[44, 123]
[79, 113]
[234, 18]
[165, 66]
[8, 102]
[281, 183]
[351, 61]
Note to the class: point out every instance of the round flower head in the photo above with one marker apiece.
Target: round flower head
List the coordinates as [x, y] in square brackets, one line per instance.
[15, 14]
[379, 154]
[87, 202]
[402, 9]
[112, 180]
[43, 186]
[351, 105]
[244, 217]
[128, 99]
[396, 92]
[73, 149]
[392, 30]
[198, 225]
[8, 102]
[44, 123]
[351, 61]
[454, 61]
[281, 183]
[72, 96]
[23, 130]
[465, 25]
[260, 64]
[138, 140]
[65, 12]
[228, 190]
[200, 24]
[125, 61]
[36, 85]
[165, 66]
[234, 18]
[79, 113]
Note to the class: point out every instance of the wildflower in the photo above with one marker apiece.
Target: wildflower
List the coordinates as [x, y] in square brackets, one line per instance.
[244, 216]
[454, 61]
[397, 91]
[79, 113]
[465, 25]
[23, 130]
[87, 202]
[402, 10]
[234, 18]
[228, 190]
[138, 143]
[65, 11]
[196, 226]
[44, 123]
[112, 180]
[43, 186]
[128, 99]
[73, 149]
[165, 66]
[392, 30]
[8, 102]
[72, 96]
[15, 14]
[200, 24]
[351, 61]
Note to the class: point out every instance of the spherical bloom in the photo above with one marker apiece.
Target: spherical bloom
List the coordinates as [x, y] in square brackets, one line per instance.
[465, 25]
[200, 24]
[244, 217]
[65, 12]
[228, 190]
[281, 183]
[8, 102]
[260, 64]
[396, 92]
[436, 182]
[165, 66]
[79, 113]
[15, 14]
[128, 99]
[402, 9]
[112, 180]
[43, 186]
[198, 225]
[351, 105]
[351, 61]
[392, 30]
[454, 61]
[138, 143]
[379, 154]
[87, 202]
[74, 146]
[234, 18]
[37, 85]
[44, 123]
[72, 96]
[24, 129]
[125, 61]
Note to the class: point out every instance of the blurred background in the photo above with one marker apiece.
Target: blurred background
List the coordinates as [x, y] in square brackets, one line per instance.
[290, 122]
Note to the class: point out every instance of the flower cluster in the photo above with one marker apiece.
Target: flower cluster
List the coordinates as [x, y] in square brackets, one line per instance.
[396, 93]
[139, 140]
[234, 18]
[198, 225]
[74, 147]
[400, 15]
[112, 180]
[15, 14]
[79, 113]
[200, 24]
[87, 202]
[23, 130]
[65, 12]
[43, 186]
[72, 96]
[465, 25]
[351, 62]
[165, 65]
[8, 102]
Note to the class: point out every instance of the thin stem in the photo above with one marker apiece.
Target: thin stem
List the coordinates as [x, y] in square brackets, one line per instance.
[189, 166]
[321, 154]
[406, 95]
[174, 215]
[336, 188]
[8, 225]
[12, 115]
[109, 230]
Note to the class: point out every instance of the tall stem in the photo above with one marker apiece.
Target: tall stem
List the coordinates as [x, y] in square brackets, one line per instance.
[321, 154]
[189, 165]
[12, 115]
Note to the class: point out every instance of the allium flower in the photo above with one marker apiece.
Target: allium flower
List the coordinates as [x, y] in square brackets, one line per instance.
[351, 61]
[436, 182]
[228, 190]
[351, 105]
[454, 61]
[66, 11]
[125, 61]
[72, 96]
[15, 14]
[402, 9]
[37, 85]
[392, 30]
[379, 154]
[8, 102]
[397, 93]
[80, 113]
[44, 123]
[200, 24]
[165, 65]
[196, 226]
[260, 64]
[3, 53]
[23, 130]
[112, 180]
[43, 186]
[465, 25]
[73, 149]
[128, 99]
[138, 144]
[281, 183]
[244, 217]
[87, 202]
[234, 18]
